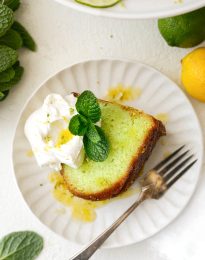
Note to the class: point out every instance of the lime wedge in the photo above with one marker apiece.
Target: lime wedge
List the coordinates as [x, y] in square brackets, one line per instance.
[98, 3]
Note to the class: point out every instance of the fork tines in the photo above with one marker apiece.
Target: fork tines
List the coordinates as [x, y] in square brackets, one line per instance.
[174, 166]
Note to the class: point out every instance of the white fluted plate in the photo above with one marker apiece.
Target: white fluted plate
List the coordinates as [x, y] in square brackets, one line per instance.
[158, 95]
[136, 9]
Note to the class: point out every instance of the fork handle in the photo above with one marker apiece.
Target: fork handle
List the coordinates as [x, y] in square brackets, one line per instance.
[87, 252]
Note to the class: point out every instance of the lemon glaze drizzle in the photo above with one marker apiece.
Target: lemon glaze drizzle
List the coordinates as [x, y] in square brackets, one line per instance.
[81, 209]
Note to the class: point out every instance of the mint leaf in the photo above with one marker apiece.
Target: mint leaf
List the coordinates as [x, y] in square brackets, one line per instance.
[78, 125]
[6, 19]
[13, 4]
[21, 245]
[88, 106]
[18, 74]
[97, 152]
[8, 57]
[3, 95]
[7, 75]
[92, 133]
[12, 39]
[28, 41]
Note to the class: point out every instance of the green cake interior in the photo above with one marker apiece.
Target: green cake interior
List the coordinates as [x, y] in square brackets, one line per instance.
[126, 131]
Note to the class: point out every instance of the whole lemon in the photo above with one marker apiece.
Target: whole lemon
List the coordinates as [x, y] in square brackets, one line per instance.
[193, 73]
[186, 30]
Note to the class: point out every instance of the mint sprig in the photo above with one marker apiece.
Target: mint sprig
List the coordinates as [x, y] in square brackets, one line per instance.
[13, 36]
[95, 142]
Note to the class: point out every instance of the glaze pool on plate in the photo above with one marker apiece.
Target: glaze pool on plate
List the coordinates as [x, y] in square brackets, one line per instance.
[132, 9]
[158, 95]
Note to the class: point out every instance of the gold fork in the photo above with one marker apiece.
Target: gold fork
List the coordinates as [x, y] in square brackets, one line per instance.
[153, 185]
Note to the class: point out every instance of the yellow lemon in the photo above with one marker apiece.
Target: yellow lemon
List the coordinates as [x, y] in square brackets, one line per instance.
[193, 73]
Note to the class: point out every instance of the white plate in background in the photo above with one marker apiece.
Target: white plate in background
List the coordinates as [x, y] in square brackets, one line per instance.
[137, 9]
[158, 95]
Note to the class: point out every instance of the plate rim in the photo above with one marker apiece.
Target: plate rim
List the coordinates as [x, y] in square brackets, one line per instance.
[109, 60]
[144, 15]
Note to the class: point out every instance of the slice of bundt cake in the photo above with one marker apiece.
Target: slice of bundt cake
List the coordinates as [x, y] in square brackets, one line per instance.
[132, 135]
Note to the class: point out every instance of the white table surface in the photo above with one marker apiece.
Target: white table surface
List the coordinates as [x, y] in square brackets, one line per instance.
[65, 37]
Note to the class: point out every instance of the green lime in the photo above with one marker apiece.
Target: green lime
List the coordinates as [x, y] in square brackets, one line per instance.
[185, 31]
[98, 3]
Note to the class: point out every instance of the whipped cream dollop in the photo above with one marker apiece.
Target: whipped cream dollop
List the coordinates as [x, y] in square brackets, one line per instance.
[47, 131]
